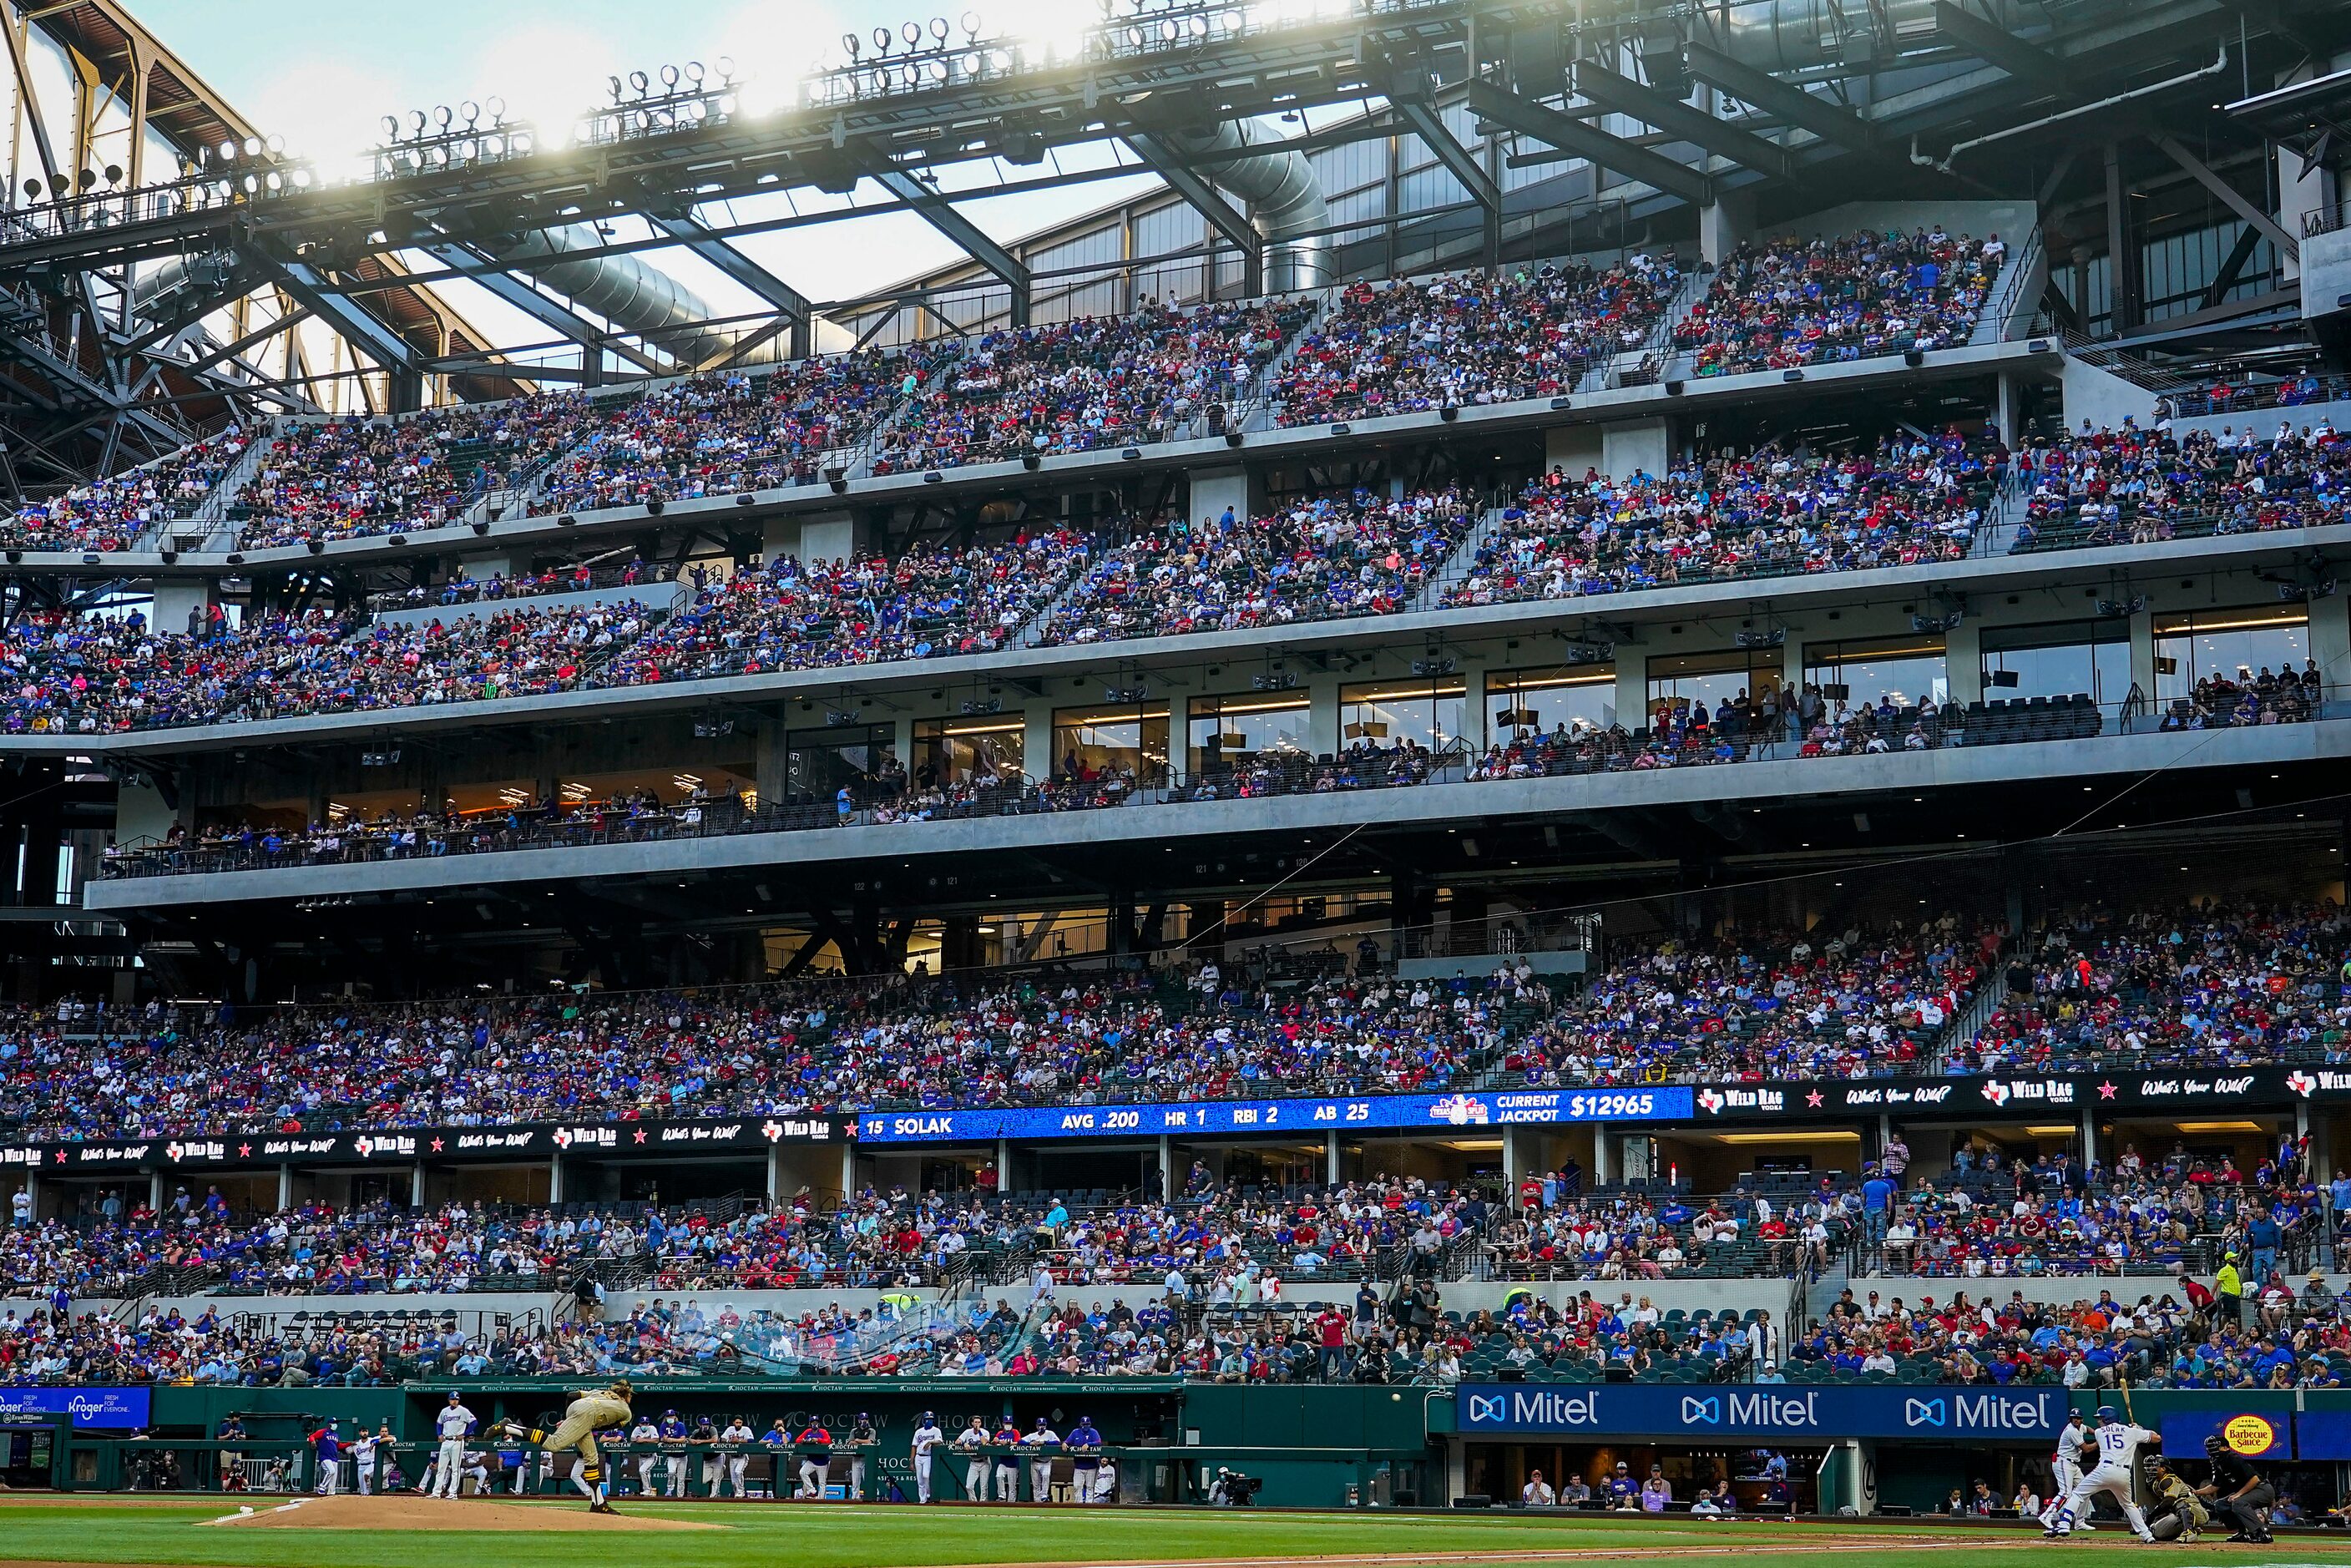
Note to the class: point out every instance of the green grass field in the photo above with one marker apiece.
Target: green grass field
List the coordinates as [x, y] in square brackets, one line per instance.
[761, 1536]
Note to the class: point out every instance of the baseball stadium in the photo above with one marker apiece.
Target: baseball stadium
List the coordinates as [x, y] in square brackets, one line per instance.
[815, 784]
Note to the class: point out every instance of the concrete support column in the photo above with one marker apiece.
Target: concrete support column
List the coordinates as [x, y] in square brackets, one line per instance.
[1166, 1168]
[285, 1188]
[828, 536]
[174, 600]
[1214, 490]
[1603, 1157]
[1331, 1158]
[1475, 720]
[1004, 1165]
[1323, 736]
[2089, 1137]
[416, 1185]
[1571, 449]
[2330, 643]
[848, 1169]
[772, 760]
[1722, 222]
[903, 743]
[774, 1175]
[2142, 655]
[1963, 661]
[555, 1179]
[2008, 412]
[154, 1192]
[1514, 1163]
[1635, 445]
[1632, 687]
[1037, 758]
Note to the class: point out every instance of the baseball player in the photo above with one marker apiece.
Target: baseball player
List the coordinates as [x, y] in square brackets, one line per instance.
[1008, 1461]
[453, 1424]
[2108, 1459]
[362, 1450]
[705, 1430]
[928, 1437]
[2182, 1516]
[1040, 1466]
[596, 1410]
[644, 1441]
[327, 1444]
[972, 1443]
[478, 1470]
[1085, 1446]
[862, 1440]
[673, 1442]
[739, 1463]
[815, 1444]
[2066, 1466]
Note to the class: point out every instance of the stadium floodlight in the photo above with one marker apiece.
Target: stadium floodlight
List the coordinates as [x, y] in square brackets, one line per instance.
[727, 70]
[390, 128]
[275, 181]
[851, 44]
[971, 24]
[616, 89]
[301, 179]
[32, 189]
[114, 173]
[639, 83]
[469, 111]
[939, 28]
[250, 184]
[882, 39]
[497, 108]
[228, 152]
[443, 116]
[694, 73]
[669, 78]
[253, 146]
[913, 33]
[415, 122]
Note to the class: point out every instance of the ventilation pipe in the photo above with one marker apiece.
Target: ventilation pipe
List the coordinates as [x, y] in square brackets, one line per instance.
[625, 291]
[1281, 194]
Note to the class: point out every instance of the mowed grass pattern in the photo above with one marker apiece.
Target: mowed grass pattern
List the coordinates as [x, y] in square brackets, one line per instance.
[761, 1536]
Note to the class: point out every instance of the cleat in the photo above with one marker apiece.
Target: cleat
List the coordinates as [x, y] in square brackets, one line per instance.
[600, 1506]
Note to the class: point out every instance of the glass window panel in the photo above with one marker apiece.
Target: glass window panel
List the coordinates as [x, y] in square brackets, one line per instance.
[1909, 670]
[2234, 645]
[1224, 732]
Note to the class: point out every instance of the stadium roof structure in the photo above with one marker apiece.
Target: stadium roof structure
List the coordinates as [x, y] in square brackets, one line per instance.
[164, 266]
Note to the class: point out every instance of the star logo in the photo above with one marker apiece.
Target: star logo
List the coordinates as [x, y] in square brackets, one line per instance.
[436, 1146]
[2106, 1091]
[244, 1151]
[1814, 1099]
[61, 1157]
[639, 1136]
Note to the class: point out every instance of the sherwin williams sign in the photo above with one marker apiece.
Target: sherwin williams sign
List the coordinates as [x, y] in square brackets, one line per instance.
[1771, 1410]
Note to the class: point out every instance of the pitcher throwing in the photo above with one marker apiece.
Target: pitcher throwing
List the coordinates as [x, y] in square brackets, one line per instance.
[595, 1410]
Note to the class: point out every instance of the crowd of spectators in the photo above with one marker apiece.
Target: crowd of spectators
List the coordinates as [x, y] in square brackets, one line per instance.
[1783, 304]
[1772, 512]
[88, 675]
[1315, 559]
[1098, 381]
[2132, 485]
[2213, 986]
[728, 431]
[580, 577]
[1469, 339]
[115, 512]
[355, 476]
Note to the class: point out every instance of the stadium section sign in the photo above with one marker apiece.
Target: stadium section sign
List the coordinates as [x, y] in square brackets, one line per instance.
[1928, 1414]
[1434, 1112]
[745, 1135]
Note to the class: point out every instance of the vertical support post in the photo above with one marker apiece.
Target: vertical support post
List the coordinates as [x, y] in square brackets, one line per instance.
[1331, 1158]
[555, 1179]
[285, 1188]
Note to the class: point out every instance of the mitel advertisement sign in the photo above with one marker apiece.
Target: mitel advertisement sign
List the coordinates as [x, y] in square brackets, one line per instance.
[1924, 1414]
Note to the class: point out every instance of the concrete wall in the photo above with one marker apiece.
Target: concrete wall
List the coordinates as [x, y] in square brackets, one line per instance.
[2102, 397]
[2010, 220]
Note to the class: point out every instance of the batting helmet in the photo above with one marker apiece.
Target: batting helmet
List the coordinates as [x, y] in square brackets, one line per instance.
[2107, 1413]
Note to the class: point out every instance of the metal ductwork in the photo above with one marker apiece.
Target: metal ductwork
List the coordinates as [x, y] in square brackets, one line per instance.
[1780, 36]
[1281, 194]
[626, 292]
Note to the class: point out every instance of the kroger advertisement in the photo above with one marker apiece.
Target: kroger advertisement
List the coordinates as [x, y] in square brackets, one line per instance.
[105, 1408]
[1491, 1108]
[1751, 1410]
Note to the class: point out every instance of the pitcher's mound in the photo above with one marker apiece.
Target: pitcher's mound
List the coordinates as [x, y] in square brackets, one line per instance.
[409, 1510]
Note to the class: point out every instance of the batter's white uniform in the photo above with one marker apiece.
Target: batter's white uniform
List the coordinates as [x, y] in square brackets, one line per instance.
[362, 1452]
[453, 1424]
[2118, 1446]
[926, 1436]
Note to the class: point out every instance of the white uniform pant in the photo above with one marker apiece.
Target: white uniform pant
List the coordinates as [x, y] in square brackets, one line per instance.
[812, 1478]
[644, 1474]
[974, 1481]
[330, 1477]
[2067, 1474]
[857, 1478]
[1041, 1479]
[923, 1477]
[711, 1467]
[449, 1467]
[1082, 1484]
[737, 1465]
[676, 1473]
[363, 1473]
[2114, 1480]
[1007, 1480]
